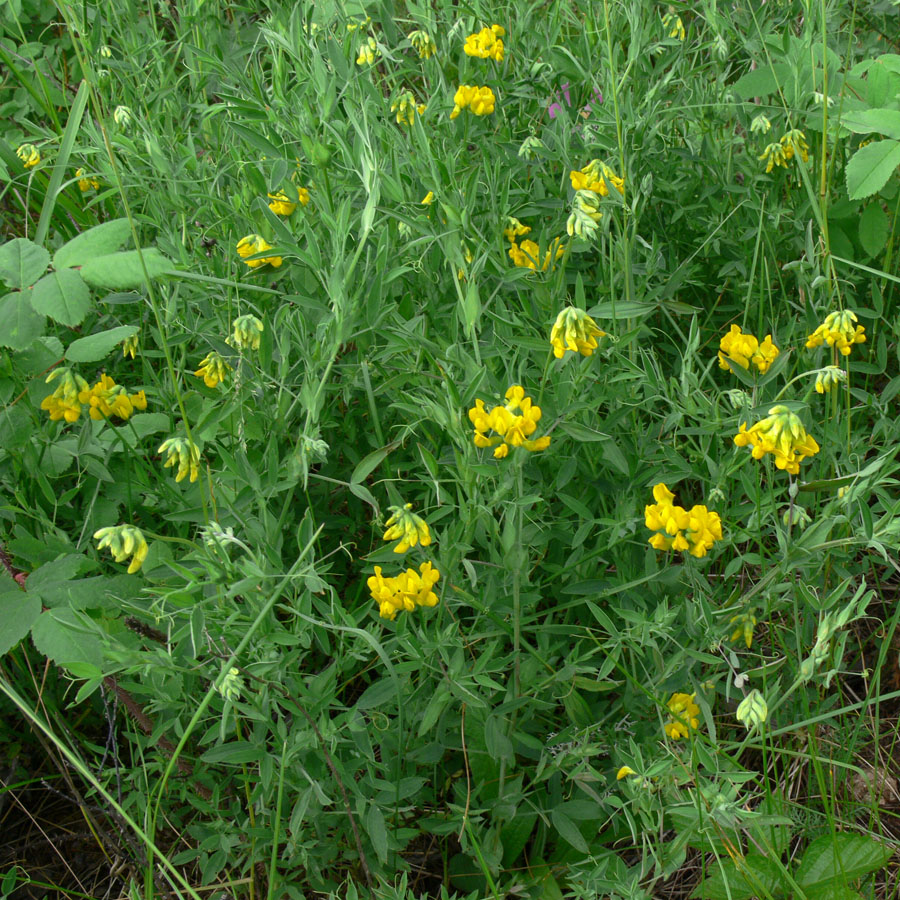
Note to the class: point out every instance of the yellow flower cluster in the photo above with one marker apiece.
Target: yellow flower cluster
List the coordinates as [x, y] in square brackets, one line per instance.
[406, 526]
[683, 716]
[406, 108]
[106, 399]
[780, 153]
[574, 330]
[480, 100]
[486, 44]
[828, 377]
[423, 43]
[510, 429]
[673, 25]
[213, 369]
[246, 331]
[184, 452]
[281, 205]
[123, 541]
[368, 52]
[677, 529]
[130, 346]
[29, 154]
[406, 591]
[838, 330]
[782, 434]
[63, 403]
[86, 182]
[596, 176]
[527, 254]
[253, 244]
[745, 349]
[743, 628]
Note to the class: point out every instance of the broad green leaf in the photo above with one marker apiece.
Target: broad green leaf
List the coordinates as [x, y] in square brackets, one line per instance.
[19, 323]
[870, 168]
[22, 263]
[60, 635]
[873, 121]
[144, 424]
[369, 463]
[762, 81]
[568, 830]
[377, 831]
[234, 753]
[759, 877]
[263, 146]
[874, 228]
[836, 859]
[63, 296]
[515, 833]
[18, 612]
[97, 241]
[97, 346]
[123, 271]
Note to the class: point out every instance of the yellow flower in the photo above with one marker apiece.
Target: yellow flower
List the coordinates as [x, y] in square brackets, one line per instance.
[683, 716]
[406, 108]
[123, 541]
[246, 332]
[106, 399]
[282, 205]
[624, 772]
[514, 228]
[828, 377]
[63, 403]
[795, 142]
[673, 25]
[423, 43]
[406, 591]
[679, 529]
[743, 627]
[184, 452]
[574, 330]
[510, 430]
[122, 116]
[368, 51]
[86, 182]
[838, 330]
[596, 176]
[486, 44]
[526, 255]
[744, 349]
[782, 434]
[29, 154]
[408, 527]
[480, 100]
[253, 244]
[130, 346]
[213, 369]
[428, 199]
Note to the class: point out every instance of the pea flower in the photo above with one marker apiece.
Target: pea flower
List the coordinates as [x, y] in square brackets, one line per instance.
[368, 52]
[753, 710]
[106, 399]
[527, 255]
[510, 429]
[406, 108]
[130, 346]
[683, 716]
[406, 591]
[122, 116]
[624, 772]
[744, 349]
[246, 331]
[782, 434]
[106, 51]
[596, 176]
[679, 529]
[423, 43]
[574, 330]
[282, 205]
[29, 154]
[63, 403]
[530, 147]
[838, 330]
[123, 541]
[585, 215]
[828, 377]
[184, 452]
[428, 199]
[760, 124]
[86, 182]
[408, 527]
[213, 369]
[515, 229]
[744, 623]
[486, 44]
[480, 100]
[673, 24]
[231, 685]
[782, 152]
[253, 244]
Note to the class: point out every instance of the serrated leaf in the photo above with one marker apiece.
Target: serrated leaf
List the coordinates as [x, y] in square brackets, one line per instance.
[835, 859]
[96, 346]
[60, 635]
[123, 271]
[870, 168]
[63, 296]
[22, 262]
[18, 612]
[874, 228]
[97, 241]
[19, 323]
[873, 121]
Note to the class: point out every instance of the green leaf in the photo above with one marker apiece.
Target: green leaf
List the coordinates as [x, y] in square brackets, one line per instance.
[123, 271]
[369, 463]
[61, 635]
[870, 168]
[759, 877]
[18, 612]
[234, 753]
[22, 263]
[836, 859]
[874, 228]
[63, 296]
[568, 830]
[377, 831]
[19, 323]
[263, 146]
[762, 81]
[97, 241]
[96, 346]
[873, 121]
